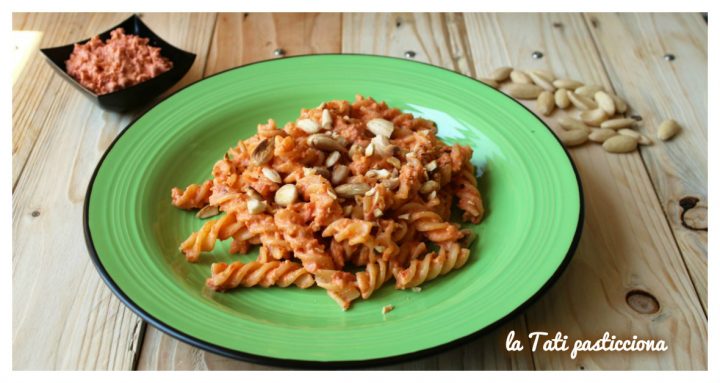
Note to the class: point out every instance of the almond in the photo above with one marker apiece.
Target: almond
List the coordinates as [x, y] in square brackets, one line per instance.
[668, 129]
[286, 195]
[569, 123]
[381, 127]
[561, 98]
[567, 84]
[272, 175]
[308, 126]
[339, 174]
[549, 76]
[523, 91]
[599, 135]
[572, 137]
[618, 123]
[605, 102]
[488, 81]
[326, 120]
[588, 90]
[630, 133]
[581, 102]
[620, 144]
[256, 207]
[541, 81]
[520, 77]
[545, 103]
[500, 74]
[593, 117]
[620, 104]
[332, 159]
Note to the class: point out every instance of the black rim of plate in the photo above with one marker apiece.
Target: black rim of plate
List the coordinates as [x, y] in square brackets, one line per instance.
[307, 364]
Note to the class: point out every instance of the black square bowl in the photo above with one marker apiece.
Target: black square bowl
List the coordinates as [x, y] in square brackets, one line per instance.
[138, 94]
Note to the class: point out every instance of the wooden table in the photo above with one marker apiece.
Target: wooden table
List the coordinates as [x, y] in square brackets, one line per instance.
[641, 266]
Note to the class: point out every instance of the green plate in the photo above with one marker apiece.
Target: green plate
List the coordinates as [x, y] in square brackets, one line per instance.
[530, 187]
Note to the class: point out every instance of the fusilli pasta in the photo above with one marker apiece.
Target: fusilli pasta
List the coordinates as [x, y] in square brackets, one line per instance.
[347, 183]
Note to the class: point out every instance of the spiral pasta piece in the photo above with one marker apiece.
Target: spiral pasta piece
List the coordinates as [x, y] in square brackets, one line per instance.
[430, 224]
[193, 197]
[341, 286]
[469, 198]
[237, 274]
[301, 238]
[263, 226]
[354, 231]
[451, 256]
[374, 276]
[204, 239]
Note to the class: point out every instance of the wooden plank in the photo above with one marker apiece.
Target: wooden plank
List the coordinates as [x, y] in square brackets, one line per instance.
[662, 89]
[240, 39]
[64, 317]
[627, 244]
[439, 39]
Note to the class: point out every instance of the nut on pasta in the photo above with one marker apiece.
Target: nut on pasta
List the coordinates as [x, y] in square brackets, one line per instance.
[318, 210]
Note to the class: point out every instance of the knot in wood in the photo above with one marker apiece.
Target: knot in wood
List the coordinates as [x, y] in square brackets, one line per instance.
[642, 302]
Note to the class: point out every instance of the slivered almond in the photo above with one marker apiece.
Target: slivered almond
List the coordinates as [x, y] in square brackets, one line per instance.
[431, 166]
[668, 129]
[519, 77]
[381, 127]
[500, 74]
[561, 98]
[620, 144]
[605, 102]
[567, 84]
[308, 126]
[581, 102]
[599, 135]
[618, 123]
[272, 175]
[588, 90]
[541, 81]
[573, 137]
[569, 123]
[523, 91]
[593, 117]
[545, 103]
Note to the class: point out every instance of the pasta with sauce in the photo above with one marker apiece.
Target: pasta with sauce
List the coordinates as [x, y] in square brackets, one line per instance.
[346, 185]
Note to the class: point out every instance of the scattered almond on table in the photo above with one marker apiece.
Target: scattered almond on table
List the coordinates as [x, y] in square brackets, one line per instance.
[590, 112]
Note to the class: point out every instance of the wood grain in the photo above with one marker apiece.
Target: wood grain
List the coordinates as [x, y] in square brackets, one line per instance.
[661, 89]
[241, 38]
[626, 244]
[64, 317]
